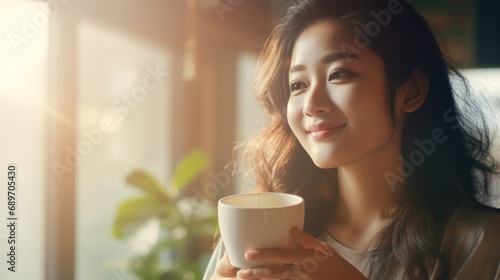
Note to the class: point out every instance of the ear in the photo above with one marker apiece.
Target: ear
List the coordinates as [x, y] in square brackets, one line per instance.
[411, 95]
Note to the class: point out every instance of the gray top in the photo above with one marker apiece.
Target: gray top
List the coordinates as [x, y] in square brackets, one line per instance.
[471, 242]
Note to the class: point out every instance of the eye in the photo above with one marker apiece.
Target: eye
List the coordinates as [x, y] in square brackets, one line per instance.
[295, 86]
[340, 74]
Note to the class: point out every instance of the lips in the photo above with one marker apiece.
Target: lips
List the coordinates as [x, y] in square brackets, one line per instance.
[323, 130]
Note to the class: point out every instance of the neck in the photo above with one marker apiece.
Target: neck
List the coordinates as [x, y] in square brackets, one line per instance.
[364, 192]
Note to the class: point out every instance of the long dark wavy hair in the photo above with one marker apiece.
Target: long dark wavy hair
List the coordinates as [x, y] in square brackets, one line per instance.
[458, 170]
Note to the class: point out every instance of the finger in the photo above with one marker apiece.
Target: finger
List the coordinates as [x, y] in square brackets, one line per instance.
[276, 255]
[304, 239]
[272, 272]
[309, 242]
[224, 267]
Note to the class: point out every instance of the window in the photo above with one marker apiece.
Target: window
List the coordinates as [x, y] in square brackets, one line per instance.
[123, 110]
[23, 107]
[486, 86]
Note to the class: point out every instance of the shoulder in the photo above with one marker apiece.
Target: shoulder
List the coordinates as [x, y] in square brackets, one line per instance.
[471, 240]
[469, 221]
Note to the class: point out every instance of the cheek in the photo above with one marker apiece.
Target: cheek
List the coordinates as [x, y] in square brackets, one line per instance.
[369, 100]
[294, 116]
[374, 122]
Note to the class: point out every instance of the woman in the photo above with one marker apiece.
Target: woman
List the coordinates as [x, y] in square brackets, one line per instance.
[364, 125]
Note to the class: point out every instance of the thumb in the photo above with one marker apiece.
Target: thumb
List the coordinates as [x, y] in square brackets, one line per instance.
[309, 242]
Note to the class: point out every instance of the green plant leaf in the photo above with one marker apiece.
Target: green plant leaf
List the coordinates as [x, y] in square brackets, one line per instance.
[136, 210]
[148, 183]
[147, 267]
[189, 168]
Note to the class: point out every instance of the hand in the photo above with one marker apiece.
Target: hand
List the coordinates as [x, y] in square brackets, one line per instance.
[311, 260]
[224, 269]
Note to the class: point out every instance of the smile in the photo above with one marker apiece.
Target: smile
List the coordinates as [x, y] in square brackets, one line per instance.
[318, 132]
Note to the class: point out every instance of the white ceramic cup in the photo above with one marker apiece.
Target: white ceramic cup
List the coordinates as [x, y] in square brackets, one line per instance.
[258, 221]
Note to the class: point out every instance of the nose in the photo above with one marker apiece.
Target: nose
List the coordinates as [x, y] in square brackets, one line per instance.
[318, 101]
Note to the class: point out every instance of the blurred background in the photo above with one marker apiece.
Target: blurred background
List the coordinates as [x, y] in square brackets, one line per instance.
[121, 117]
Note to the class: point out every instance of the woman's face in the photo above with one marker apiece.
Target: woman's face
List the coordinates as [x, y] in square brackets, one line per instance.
[338, 106]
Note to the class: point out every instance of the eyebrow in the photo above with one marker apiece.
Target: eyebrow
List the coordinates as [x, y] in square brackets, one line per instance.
[325, 59]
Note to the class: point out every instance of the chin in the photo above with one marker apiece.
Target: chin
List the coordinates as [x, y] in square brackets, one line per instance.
[325, 164]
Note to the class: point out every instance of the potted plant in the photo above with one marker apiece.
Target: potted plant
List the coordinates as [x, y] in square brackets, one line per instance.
[185, 221]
